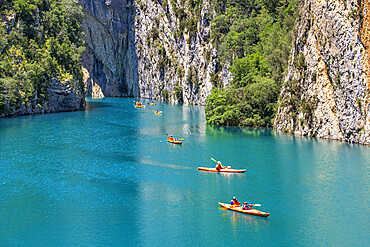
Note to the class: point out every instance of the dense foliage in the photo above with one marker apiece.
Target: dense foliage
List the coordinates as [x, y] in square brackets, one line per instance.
[255, 37]
[39, 40]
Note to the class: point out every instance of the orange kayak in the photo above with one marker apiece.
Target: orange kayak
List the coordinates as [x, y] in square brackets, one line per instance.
[222, 170]
[174, 141]
[254, 212]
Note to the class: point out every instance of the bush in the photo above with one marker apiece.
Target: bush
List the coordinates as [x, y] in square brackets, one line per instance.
[164, 94]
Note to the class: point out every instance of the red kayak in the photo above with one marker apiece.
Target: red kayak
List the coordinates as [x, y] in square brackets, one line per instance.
[239, 209]
[222, 170]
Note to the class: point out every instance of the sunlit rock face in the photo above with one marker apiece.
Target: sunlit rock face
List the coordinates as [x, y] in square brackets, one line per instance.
[175, 63]
[327, 89]
[141, 48]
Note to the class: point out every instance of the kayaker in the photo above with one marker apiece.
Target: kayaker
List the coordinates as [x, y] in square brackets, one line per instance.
[170, 138]
[156, 111]
[219, 166]
[234, 202]
[246, 206]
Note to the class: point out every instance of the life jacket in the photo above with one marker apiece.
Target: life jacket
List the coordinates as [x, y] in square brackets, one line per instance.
[246, 207]
[218, 167]
[235, 202]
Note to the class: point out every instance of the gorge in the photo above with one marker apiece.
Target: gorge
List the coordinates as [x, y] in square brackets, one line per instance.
[166, 50]
[326, 89]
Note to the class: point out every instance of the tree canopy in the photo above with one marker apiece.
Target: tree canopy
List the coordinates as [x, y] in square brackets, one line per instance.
[39, 40]
[255, 37]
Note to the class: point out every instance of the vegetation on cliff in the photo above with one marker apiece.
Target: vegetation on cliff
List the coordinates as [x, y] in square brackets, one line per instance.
[255, 37]
[39, 40]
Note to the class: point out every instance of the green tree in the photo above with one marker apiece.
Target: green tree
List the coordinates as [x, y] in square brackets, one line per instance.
[255, 36]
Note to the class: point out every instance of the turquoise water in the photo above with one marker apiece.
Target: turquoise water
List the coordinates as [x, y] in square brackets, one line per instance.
[106, 177]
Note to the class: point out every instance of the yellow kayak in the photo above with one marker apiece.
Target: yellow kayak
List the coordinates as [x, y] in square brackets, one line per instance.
[240, 209]
[174, 141]
[140, 106]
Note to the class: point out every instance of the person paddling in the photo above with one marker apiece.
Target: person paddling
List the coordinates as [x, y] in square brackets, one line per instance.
[219, 166]
[246, 206]
[235, 202]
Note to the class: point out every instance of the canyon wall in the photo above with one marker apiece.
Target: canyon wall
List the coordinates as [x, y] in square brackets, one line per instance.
[176, 58]
[110, 63]
[150, 49]
[327, 89]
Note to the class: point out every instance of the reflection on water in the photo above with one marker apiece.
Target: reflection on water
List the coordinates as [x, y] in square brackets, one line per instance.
[223, 131]
[247, 221]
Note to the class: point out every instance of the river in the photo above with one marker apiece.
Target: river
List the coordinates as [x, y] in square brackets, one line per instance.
[106, 176]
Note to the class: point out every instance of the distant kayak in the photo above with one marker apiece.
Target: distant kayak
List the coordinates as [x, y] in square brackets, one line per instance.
[239, 209]
[209, 169]
[140, 106]
[174, 141]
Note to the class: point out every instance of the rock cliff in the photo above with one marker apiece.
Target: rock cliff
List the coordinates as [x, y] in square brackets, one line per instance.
[176, 58]
[110, 64]
[150, 49]
[327, 89]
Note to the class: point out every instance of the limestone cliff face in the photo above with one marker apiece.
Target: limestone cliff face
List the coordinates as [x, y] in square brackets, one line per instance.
[327, 88]
[145, 49]
[176, 58]
[110, 65]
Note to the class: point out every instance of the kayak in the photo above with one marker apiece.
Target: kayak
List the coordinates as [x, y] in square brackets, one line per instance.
[140, 106]
[254, 212]
[174, 141]
[208, 169]
[151, 103]
[157, 113]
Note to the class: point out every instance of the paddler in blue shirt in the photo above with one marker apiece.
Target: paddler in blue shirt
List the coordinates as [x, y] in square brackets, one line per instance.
[234, 202]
